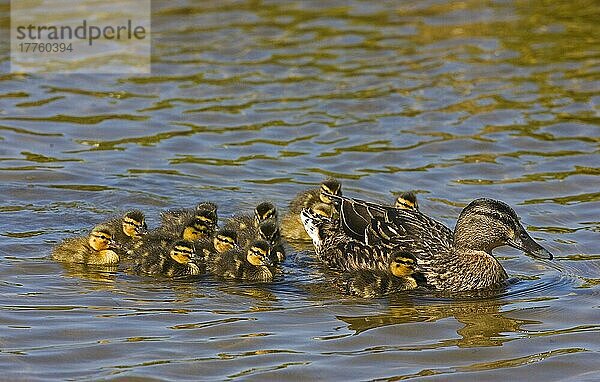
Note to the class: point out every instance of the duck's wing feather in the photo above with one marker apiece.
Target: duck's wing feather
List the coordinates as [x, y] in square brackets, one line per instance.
[407, 230]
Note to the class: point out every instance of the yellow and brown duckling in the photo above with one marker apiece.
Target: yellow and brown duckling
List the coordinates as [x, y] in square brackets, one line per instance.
[253, 264]
[308, 198]
[269, 232]
[194, 230]
[369, 283]
[317, 199]
[177, 260]
[174, 220]
[459, 260]
[128, 229]
[98, 248]
[246, 224]
[223, 241]
[407, 201]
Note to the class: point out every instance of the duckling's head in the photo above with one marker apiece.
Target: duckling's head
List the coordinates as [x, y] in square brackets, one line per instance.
[265, 211]
[134, 224]
[269, 232]
[101, 238]
[209, 217]
[485, 224]
[323, 209]
[407, 201]
[182, 251]
[196, 229]
[258, 254]
[330, 186]
[402, 264]
[210, 207]
[225, 240]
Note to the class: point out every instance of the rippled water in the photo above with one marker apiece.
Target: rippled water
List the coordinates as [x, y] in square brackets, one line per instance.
[260, 100]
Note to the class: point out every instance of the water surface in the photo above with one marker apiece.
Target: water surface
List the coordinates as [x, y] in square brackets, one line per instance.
[259, 100]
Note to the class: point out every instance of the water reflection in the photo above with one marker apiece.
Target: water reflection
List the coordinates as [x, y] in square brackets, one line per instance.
[484, 321]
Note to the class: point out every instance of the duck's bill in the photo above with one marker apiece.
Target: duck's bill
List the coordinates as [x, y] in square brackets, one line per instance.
[526, 244]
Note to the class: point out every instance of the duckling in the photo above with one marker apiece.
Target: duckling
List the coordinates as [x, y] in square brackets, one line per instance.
[194, 230]
[246, 224]
[177, 260]
[291, 225]
[128, 229]
[316, 199]
[98, 248]
[175, 219]
[223, 241]
[369, 283]
[269, 231]
[308, 198]
[252, 265]
[407, 201]
[204, 222]
[455, 261]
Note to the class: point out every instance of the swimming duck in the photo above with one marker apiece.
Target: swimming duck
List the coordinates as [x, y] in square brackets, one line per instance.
[98, 248]
[314, 198]
[308, 198]
[223, 241]
[370, 283]
[458, 260]
[269, 232]
[246, 224]
[407, 201]
[128, 229]
[175, 219]
[253, 264]
[178, 260]
[194, 230]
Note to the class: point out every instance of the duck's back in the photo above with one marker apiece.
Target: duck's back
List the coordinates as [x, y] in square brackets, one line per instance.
[304, 199]
[72, 250]
[228, 264]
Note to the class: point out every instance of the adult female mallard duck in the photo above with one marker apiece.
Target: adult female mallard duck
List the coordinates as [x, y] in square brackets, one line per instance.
[98, 248]
[128, 229]
[253, 264]
[458, 260]
[314, 198]
[177, 260]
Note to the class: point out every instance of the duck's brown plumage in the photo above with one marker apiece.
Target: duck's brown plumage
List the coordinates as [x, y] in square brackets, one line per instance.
[449, 260]
[97, 248]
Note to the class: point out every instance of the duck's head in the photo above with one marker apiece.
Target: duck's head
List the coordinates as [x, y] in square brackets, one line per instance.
[486, 224]
[196, 229]
[407, 201]
[101, 238]
[318, 227]
[182, 251]
[210, 207]
[269, 232]
[134, 224]
[225, 240]
[402, 264]
[265, 211]
[258, 253]
[330, 186]
[208, 217]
